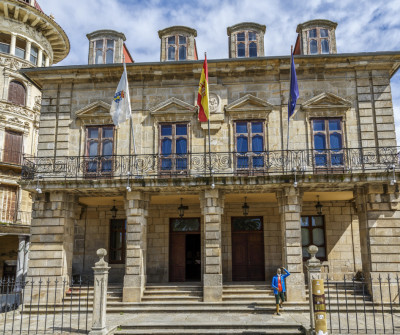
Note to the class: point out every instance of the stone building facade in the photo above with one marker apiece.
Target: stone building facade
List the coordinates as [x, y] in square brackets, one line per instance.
[168, 209]
[28, 38]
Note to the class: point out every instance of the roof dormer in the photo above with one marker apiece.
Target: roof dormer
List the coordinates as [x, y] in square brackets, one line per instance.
[246, 40]
[178, 43]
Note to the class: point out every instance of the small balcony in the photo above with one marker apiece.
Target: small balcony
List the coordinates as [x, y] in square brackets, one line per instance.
[218, 164]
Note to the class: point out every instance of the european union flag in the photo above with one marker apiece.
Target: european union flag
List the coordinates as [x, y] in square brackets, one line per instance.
[294, 89]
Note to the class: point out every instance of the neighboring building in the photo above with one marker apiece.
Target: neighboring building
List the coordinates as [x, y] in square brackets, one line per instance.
[28, 38]
[163, 216]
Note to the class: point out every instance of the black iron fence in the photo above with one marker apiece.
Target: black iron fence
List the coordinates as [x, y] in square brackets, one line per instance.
[45, 306]
[363, 305]
[355, 160]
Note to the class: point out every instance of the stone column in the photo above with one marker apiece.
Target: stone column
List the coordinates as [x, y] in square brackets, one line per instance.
[26, 257]
[40, 57]
[212, 206]
[290, 204]
[12, 44]
[378, 209]
[136, 206]
[47, 61]
[99, 314]
[52, 236]
[28, 51]
[20, 260]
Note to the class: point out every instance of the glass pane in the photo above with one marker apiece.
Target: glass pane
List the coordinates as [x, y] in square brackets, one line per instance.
[241, 50]
[93, 148]
[335, 141]
[33, 60]
[99, 44]
[337, 159]
[319, 142]
[118, 255]
[92, 166]
[5, 48]
[335, 124]
[99, 57]
[181, 164]
[181, 146]
[182, 52]
[106, 165]
[305, 237]
[241, 37]
[93, 132]
[171, 53]
[325, 46]
[242, 145]
[257, 143]
[20, 53]
[107, 132]
[317, 221]
[34, 51]
[171, 40]
[258, 161]
[166, 146]
[166, 164]
[312, 33]
[110, 44]
[246, 224]
[241, 127]
[252, 36]
[107, 148]
[256, 127]
[323, 33]
[181, 129]
[304, 221]
[305, 253]
[319, 125]
[110, 56]
[313, 47]
[253, 49]
[318, 236]
[182, 39]
[321, 252]
[320, 160]
[185, 225]
[243, 162]
[166, 130]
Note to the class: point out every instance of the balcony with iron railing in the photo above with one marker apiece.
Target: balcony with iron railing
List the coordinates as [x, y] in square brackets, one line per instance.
[268, 163]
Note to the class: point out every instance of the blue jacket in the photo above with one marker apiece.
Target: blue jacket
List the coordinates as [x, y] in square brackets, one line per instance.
[275, 281]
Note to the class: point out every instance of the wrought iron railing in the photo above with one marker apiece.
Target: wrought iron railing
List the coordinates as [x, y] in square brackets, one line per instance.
[278, 162]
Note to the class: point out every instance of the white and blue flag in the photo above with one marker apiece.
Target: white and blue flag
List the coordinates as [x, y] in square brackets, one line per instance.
[121, 105]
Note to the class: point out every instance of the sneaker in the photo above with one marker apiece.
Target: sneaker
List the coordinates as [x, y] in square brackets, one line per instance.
[278, 314]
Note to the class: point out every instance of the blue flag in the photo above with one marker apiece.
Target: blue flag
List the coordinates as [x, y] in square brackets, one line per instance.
[294, 89]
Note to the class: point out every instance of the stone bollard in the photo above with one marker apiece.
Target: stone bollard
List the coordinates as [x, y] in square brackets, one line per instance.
[314, 272]
[100, 295]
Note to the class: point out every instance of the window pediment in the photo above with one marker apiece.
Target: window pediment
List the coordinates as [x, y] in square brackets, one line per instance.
[249, 107]
[97, 112]
[173, 110]
[326, 101]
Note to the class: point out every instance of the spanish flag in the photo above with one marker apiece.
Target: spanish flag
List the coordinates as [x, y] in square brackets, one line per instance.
[202, 96]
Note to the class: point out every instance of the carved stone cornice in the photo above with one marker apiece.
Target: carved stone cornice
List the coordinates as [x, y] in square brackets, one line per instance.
[14, 63]
[8, 108]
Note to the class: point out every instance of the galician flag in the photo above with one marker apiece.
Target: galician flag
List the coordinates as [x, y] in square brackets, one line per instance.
[121, 105]
[294, 89]
[202, 96]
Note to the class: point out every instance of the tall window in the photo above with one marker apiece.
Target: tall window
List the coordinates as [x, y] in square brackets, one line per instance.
[319, 41]
[249, 137]
[16, 93]
[12, 147]
[20, 46]
[246, 42]
[99, 149]
[174, 147]
[5, 41]
[177, 47]
[104, 51]
[117, 246]
[313, 233]
[328, 142]
[34, 55]
[9, 203]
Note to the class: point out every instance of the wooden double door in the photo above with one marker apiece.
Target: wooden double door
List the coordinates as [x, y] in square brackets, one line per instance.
[248, 249]
[184, 250]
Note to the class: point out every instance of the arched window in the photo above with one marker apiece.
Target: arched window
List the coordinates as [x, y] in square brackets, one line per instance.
[182, 52]
[171, 53]
[313, 47]
[241, 50]
[324, 46]
[253, 49]
[16, 93]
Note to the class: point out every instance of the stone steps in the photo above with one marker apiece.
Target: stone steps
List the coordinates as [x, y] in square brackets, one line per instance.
[173, 292]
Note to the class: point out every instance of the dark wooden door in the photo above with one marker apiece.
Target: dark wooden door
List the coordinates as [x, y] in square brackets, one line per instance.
[247, 249]
[177, 257]
[12, 147]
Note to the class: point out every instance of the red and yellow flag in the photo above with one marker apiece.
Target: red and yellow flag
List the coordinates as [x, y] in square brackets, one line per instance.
[202, 96]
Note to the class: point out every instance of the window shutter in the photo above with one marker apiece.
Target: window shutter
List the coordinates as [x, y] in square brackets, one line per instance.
[12, 147]
[16, 93]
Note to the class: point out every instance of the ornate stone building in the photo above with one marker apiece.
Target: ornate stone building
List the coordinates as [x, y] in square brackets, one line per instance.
[28, 38]
[169, 210]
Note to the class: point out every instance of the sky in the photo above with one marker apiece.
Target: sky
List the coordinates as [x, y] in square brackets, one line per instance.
[363, 25]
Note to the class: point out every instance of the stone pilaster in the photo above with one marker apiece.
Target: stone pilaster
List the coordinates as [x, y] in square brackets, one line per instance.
[378, 209]
[20, 261]
[212, 206]
[52, 235]
[290, 204]
[136, 206]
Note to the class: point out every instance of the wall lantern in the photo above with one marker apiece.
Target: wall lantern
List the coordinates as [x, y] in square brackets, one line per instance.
[318, 206]
[114, 211]
[245, 207]
[181, 209]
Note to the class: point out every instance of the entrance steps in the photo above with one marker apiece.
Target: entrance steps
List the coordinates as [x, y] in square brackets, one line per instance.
[171, 292]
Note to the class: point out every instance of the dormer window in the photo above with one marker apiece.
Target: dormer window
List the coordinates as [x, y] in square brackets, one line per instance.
[104, 51]
[177, 47]
[246, 44]
[319, 41]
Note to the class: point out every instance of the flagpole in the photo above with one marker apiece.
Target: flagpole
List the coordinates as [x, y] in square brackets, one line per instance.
[209, 133]
[289, 100]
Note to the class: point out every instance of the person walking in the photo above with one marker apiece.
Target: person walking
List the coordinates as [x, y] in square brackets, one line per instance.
[278, 284]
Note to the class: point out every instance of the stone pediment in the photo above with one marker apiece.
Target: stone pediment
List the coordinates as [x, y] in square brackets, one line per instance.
[326, 101]
[173, 110]
[97, 112]
[249, 106]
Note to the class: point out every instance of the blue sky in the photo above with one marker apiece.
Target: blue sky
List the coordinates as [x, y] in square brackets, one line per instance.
[363, 25]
